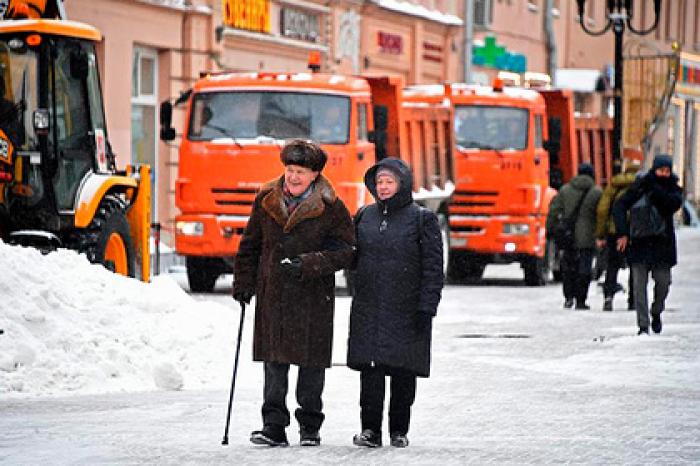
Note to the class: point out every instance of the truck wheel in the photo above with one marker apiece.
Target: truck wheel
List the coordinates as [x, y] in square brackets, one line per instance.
[536, 271]
[464, 268]
[202, 273]
[107, 240]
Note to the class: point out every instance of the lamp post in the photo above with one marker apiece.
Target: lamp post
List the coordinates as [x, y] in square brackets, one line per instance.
[619, 14]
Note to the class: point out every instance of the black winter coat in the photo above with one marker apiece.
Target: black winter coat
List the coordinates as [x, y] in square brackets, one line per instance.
[399, 274]
[667, 196]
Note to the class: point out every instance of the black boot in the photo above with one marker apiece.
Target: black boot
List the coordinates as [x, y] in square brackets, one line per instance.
[272, 435]
[309, 437]
[656, 323]
[368, 438]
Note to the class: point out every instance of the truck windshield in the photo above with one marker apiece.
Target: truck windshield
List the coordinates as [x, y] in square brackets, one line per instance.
[18, 98]
[276, 115]
[491, 127]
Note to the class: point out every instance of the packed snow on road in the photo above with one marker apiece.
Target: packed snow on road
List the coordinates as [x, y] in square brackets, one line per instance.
[97, 368]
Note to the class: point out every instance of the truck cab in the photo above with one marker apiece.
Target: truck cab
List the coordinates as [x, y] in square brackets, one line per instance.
[498, 211]
[236, 125]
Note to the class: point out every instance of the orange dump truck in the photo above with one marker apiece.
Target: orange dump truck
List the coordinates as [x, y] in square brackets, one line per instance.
[506, 166]
[236, 124]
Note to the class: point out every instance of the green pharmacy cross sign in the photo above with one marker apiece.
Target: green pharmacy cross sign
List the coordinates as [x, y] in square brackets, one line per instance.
[496, 56]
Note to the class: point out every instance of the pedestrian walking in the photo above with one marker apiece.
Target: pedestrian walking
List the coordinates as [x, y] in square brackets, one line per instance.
[606, 238]
[575, 205]
[399, 280]
[649, 237]
[299, 234]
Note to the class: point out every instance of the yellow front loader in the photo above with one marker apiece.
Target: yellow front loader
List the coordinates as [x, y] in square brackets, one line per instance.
[59, 184]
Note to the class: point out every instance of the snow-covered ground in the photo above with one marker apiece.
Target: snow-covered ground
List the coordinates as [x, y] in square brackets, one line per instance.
[95, 368]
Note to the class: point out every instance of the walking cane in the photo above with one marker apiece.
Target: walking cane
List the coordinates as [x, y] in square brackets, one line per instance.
[233, 380]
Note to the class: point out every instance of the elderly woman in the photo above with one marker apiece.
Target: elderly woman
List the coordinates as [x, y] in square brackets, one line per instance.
[298, 235]
[399, 279]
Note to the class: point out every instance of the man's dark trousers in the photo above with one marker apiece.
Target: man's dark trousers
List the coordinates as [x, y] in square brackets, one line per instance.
[576, 266]
[310, 382]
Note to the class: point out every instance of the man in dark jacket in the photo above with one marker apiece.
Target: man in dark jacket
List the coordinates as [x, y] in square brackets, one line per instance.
[299, 234]
[577, 262]
[398, 287]
[651, 254]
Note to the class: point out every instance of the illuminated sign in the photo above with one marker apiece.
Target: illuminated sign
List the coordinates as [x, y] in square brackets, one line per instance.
[390, 43]
[496, 56]
[251, 15]
[299, 25]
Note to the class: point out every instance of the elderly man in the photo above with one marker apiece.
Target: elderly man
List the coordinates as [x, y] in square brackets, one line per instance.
[298, 235]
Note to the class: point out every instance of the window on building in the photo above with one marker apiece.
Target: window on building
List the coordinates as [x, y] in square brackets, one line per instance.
[697, 24]
[144, 101]
[483, 13]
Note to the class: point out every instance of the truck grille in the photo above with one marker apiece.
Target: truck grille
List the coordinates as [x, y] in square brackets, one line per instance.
[474, 199]
[234, 196]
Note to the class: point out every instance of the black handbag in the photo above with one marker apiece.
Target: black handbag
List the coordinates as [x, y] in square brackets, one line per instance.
[564, 231]
[645, 219]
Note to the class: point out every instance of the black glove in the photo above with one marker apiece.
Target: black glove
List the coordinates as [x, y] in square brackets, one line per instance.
[242, 297]
[292, 267]
[423, 321]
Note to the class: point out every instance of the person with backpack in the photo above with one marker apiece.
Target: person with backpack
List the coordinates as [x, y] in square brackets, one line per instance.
[298, 235]
[571, 222]
[399, 280]
[649, 237]
[605, 232]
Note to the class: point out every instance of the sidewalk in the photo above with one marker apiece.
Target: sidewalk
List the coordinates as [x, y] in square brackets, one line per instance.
[516, 379]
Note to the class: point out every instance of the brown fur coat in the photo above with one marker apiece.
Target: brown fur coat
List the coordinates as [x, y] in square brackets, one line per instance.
[294, 317]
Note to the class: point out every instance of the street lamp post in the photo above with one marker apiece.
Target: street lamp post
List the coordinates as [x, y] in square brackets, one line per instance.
[619, 14]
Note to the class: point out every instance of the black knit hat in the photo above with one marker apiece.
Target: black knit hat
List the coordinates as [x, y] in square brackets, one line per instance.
[586, 169]
[662, 160]
[305, 154]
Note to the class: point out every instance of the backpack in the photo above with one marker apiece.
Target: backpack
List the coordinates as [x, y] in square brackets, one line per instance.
[645, 219]
[564, 230]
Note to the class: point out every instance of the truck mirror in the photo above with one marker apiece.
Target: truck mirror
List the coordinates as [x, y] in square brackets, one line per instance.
[167, 132]
[79, 65]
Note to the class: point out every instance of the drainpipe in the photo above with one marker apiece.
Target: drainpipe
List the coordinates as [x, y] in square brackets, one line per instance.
[550, 40]
[468, 39]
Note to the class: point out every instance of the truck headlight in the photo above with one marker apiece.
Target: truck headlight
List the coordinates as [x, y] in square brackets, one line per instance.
[516, 229]
[190, 228]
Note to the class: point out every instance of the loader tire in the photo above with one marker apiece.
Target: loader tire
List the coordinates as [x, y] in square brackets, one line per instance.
[107, 240]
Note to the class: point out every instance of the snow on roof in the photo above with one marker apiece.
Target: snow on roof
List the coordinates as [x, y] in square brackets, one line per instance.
[70, 326]
[419, 10]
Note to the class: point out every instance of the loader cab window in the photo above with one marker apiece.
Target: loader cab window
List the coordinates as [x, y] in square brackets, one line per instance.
[18, 100]
[70, 111]
[18, 93]
[491, 127]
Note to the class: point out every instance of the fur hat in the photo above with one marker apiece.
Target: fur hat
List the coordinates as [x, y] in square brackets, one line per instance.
[662, 160]
[586, 169]
[305, 154]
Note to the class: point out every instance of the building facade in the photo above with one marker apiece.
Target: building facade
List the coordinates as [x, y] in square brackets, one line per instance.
[153, 50]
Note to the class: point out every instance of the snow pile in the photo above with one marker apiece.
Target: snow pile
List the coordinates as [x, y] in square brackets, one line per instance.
[72, 326]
